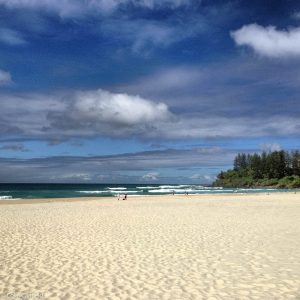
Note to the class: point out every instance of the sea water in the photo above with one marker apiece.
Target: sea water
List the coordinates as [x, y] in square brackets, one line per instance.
[32, 191]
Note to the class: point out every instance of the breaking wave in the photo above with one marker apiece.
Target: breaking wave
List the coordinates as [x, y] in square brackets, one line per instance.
[6, 197]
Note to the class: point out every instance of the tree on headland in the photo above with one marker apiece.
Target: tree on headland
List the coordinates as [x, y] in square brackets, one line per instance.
[276, 168]
[295, 162]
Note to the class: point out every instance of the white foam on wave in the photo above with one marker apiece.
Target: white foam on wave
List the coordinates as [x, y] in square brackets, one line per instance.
[162, 191]
[93, 192]
[190, 191]
[146, 187]
[254, 189]
[117, 188]
[126, 192]
[107, 192]
[6, 197]
[201, 187]
[180, 188]
[173, 186]
[171, 191]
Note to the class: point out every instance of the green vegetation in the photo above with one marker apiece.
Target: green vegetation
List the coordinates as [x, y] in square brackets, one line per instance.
[279, 169]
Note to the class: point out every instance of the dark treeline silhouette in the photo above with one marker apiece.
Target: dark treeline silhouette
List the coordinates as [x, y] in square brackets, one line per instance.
[277, 168]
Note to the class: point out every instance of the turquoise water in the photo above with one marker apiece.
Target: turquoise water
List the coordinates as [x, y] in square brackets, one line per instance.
[32, 191]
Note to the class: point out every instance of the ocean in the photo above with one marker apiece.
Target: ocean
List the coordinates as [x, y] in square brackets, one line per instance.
[33, 191]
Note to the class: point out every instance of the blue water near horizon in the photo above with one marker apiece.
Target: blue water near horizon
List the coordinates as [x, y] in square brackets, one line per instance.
[34, 191]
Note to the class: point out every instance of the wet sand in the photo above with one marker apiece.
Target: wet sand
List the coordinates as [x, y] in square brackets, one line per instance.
[158, 247]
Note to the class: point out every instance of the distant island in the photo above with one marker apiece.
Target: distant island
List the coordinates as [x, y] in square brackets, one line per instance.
[280, 169]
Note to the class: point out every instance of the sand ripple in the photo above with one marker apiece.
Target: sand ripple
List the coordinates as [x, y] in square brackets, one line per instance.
[239, 247]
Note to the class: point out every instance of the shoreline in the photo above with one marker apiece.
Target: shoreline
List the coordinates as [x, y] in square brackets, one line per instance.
[136, 197]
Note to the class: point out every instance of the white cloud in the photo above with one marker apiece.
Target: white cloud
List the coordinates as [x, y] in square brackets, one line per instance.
[60, 116]
[11, 37]
[270, 147]
[227, 127]
[269, 41]
[26, 114]
[203, 177]
[144, 33]
[168, 81]
[127, 110]
[141, 33]
[81, 113]
[71, 177]
[5, 78]
[76, 8]
[153, 176]
[64, 8]
[151, 33]
[135, 167]
[196, 176]
[104, 113]
[161, 3]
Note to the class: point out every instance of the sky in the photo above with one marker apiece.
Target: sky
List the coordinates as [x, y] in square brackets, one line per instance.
[144, 91]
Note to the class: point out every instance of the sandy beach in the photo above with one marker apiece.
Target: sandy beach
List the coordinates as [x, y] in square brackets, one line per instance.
[160, 247]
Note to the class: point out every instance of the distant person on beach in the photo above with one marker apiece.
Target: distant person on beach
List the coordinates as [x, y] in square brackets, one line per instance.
[125, 197]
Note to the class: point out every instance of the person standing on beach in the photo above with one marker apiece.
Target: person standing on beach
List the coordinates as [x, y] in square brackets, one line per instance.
[125, 196]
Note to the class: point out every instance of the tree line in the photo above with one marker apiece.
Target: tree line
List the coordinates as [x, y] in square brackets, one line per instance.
[276, 168]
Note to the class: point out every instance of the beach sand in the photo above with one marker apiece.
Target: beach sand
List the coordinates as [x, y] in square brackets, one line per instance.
[162, 247]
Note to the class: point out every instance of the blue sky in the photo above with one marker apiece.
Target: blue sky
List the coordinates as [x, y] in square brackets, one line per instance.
[143, 91]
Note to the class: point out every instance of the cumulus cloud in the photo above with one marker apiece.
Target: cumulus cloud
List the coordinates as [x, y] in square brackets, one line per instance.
[5, 78]
[61, 116]
[127, 110]
[110, 114]
[71, 8]
[218, 94]
[269, 41]
[11, 37]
